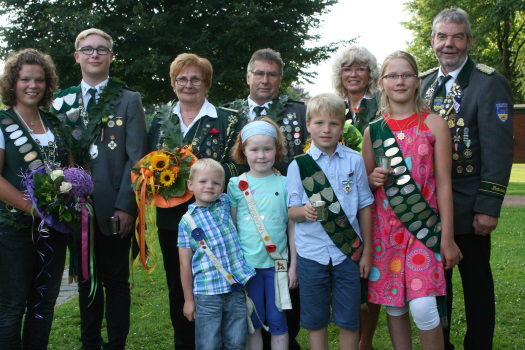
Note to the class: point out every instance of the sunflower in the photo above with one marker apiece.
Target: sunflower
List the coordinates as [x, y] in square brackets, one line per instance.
[167, 178]
[160, 161]
[307, 145]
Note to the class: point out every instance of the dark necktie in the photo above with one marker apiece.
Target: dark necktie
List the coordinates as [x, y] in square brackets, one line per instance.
[441, 89]
[92, 101]
[258, 110]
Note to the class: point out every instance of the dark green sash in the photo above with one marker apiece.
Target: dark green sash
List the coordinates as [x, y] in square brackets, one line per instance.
[336, 225]
[404, 196]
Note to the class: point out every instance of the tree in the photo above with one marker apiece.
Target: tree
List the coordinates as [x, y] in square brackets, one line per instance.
[498, 27]
[149, 34]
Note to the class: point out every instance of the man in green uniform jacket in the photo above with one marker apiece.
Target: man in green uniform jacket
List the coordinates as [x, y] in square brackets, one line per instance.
[477, 103]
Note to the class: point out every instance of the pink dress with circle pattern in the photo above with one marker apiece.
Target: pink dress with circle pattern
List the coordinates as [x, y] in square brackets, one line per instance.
[403, 268]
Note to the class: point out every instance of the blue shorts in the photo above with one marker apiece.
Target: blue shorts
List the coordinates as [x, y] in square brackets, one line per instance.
[322, 286]
[261, 290]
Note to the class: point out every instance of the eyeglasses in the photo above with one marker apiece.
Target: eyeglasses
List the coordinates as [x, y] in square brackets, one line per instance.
[259, 74]
[183, 81]
[394, 77]
[88, 50]
[346, 70]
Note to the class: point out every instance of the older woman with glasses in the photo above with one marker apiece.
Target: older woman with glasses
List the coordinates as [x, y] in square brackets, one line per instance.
[212, 132]
[355, 74]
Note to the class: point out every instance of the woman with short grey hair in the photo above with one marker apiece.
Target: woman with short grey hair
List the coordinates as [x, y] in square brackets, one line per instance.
[355, 75]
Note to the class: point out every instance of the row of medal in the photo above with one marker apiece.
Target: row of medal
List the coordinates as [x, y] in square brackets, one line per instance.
[292, 134]
[213, 147]
[23, 143]
[460, 135]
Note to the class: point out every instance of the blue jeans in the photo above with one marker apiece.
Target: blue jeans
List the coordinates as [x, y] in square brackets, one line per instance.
[27, 288]
[220, 321]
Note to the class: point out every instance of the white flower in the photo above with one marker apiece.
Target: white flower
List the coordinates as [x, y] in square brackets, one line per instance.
[56, 174]
[65, 187]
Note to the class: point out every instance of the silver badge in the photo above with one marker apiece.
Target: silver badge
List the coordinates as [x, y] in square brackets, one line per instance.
[93, 151]
[73, 114]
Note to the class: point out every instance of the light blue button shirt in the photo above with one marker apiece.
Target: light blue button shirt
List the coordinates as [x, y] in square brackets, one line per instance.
[311, 240]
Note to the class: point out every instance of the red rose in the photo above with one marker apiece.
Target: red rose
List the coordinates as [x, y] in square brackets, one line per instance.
[271, 248]
[243, 185]
[214, 132]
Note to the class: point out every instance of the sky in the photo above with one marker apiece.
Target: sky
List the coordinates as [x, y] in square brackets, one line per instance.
[377, 23]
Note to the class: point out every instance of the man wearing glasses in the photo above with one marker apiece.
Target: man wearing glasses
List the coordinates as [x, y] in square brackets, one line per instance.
[109, 136]
[477, 103]
[263, 76]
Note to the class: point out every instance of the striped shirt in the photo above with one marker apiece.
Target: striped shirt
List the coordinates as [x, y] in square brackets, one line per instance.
[223, 240]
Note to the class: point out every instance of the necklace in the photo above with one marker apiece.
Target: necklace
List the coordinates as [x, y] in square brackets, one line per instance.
[31, 122]
[401, 135]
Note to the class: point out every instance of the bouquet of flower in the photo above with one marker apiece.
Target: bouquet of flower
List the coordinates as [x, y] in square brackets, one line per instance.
[58, 195]
[159, 180]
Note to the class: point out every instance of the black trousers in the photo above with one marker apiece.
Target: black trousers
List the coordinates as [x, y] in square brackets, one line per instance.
[478, 291]
[30, 275]
[184, 329]
[112, 274]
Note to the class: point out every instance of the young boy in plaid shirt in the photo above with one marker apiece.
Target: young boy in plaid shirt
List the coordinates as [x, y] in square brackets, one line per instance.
[211, 298]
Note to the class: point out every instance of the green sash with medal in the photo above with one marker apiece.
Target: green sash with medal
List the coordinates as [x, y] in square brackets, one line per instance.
[336, 225]
[405, 198]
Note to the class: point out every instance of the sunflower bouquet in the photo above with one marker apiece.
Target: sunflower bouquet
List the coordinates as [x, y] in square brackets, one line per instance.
[159, 180]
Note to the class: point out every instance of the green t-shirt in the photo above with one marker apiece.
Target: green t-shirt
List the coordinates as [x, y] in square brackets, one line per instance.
[270, 196]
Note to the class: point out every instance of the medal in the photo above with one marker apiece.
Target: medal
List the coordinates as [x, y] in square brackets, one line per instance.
[469, 168]
[112, 145]
[111, 123]
[456, 138]
[400, 136]
[451, 122]
[455, 156]
[461, 122]
[467, 153]
[459, 169]
[348, 182]
[119, 121]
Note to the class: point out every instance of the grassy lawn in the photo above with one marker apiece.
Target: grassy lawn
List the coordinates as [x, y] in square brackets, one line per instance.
[517, 180]
[151, 326]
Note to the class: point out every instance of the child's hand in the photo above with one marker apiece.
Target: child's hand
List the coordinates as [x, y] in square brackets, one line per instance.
[309, 212]
[378, 177]
[450, 254]
[189, 310]
[365, 264]
[292, 277]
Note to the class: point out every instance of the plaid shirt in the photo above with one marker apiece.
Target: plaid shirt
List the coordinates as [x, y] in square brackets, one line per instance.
[223, 240]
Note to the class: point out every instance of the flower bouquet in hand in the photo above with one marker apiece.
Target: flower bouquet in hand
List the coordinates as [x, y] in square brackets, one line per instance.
[59, 195]
[159, 180]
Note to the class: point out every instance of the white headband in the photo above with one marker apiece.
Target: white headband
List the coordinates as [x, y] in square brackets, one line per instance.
[258, 128]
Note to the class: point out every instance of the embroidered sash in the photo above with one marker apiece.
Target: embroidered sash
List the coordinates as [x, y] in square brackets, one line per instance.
[404, 196]
[282, 293]
[198, 235]
[336, 225]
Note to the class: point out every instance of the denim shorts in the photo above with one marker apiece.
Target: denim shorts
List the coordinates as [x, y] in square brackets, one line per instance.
[261, 290]
[322, 286]
[220, 321]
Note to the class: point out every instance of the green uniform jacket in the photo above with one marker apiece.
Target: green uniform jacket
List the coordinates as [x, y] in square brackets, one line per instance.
[211, 138]
[479, 176]
[292, 123]
[368, 112]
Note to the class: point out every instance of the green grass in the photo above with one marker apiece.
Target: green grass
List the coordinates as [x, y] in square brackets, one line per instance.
[151, 326]
[517, 181]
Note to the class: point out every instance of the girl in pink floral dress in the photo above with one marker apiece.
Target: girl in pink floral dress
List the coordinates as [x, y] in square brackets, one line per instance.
[411, 246]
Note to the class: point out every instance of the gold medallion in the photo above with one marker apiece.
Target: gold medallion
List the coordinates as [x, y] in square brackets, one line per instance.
[461, 122]
[455, 156]
[119, 122]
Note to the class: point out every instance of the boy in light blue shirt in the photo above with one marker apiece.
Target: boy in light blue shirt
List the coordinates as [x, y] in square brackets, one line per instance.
[331, 256]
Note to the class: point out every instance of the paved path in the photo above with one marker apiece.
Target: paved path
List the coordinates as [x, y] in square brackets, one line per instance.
[514, 201]
[67, 291]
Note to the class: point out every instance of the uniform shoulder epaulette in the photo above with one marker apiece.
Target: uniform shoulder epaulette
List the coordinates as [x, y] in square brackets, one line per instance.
[294, 101]
[428, 72]
[229, 109]
[485, 69]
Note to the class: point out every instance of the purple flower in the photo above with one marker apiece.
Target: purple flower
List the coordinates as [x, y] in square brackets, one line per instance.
[81, 181]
